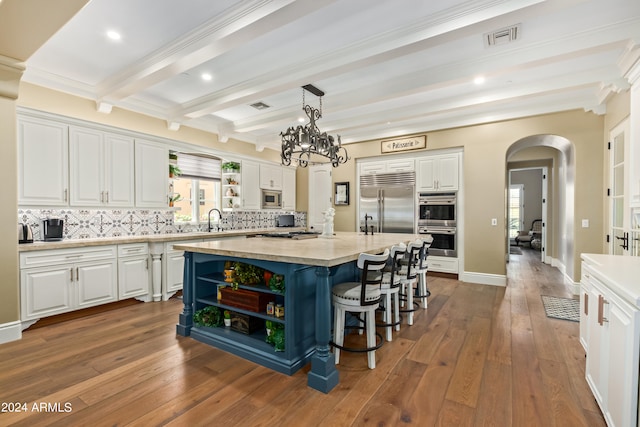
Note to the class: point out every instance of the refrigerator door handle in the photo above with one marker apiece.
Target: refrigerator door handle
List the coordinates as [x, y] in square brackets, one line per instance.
[381, 212]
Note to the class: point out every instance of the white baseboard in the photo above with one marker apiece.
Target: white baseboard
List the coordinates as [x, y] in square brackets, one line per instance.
[484, 278]
[11, 331]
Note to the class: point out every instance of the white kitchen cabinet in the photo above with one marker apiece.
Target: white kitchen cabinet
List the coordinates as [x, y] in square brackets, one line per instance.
[251, 193]
[101, 165]
[173, 269]
[400, 165]
[288, 189]
[585, 288]
[59, 281]
[151, 174]
[270, 177]
[438, 173]
[443, 264]
[613, 340]
[43, 162]
[133, 271]
[370, 168]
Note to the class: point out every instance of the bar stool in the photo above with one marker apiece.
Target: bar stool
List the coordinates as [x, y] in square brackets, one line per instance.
[408, 274]
[390, 288]
[422, 290]
[359, 297]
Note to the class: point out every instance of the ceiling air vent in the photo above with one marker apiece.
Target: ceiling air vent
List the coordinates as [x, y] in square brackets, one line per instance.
[502, 36]
[260, 105]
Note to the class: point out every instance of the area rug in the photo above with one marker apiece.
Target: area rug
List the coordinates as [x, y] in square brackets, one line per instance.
[515, 250]
[561, 308]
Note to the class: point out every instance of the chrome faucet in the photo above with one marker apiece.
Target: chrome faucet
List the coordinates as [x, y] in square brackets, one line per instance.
[209, 227]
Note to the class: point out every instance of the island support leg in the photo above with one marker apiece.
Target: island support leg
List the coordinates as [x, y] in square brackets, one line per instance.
[323, 375]
[185, 320]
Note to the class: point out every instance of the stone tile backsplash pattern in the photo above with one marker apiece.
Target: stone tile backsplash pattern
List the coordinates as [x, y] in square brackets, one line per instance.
[102, 223]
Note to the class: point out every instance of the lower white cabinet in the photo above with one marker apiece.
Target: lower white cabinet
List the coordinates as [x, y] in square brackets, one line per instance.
[612, 334]
[173, 267]
[442, 264]
[58, 281]
[133, 271]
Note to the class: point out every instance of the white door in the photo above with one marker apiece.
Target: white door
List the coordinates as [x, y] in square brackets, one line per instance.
[319, 195]
[250, 183]
[152, 174]
[45, 291]
[86, 166]
[43, 163]
[96, 283]
[288, 189]
[619, 212]
[119, 180]
[447, 177]
[133, 277]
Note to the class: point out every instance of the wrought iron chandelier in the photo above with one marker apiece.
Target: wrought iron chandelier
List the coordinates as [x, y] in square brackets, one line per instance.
[306, 144]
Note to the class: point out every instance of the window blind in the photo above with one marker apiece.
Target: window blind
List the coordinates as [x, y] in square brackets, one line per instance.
[199, 166]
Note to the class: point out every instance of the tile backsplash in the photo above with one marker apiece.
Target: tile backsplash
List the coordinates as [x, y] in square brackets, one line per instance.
[97, 223]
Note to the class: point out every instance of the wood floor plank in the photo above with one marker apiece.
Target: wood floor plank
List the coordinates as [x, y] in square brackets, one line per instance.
[480, 355]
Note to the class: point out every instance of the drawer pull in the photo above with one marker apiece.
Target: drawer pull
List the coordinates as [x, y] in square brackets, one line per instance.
[73, 256]
[601, 303]
[586, 304]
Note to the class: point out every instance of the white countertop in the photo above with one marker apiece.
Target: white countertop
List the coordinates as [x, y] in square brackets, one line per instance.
[621, 272]
[151, 238]
[342, 248]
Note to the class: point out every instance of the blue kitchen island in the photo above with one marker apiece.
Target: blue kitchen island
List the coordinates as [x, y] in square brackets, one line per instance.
[309, 266]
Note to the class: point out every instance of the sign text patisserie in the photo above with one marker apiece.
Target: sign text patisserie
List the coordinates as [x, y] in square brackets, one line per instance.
[403, 144]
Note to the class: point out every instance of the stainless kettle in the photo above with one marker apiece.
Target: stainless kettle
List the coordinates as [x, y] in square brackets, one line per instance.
[25, 233]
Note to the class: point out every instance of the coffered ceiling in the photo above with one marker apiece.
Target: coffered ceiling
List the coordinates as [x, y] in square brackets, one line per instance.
[387, 67]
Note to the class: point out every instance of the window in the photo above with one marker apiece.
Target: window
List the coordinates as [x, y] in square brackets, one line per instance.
[198, 187]
[515, 210]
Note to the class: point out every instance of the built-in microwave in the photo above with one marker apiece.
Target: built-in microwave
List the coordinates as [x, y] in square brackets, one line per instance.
[271, 199]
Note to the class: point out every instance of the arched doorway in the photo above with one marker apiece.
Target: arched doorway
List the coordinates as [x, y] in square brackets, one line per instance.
[560, 209]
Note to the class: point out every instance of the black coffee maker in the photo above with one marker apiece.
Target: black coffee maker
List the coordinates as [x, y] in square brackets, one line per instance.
[51, 229]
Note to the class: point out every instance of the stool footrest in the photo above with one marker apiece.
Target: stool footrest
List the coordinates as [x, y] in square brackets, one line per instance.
[379, 342]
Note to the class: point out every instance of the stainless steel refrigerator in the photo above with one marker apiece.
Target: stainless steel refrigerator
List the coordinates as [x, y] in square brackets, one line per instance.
[388, 200]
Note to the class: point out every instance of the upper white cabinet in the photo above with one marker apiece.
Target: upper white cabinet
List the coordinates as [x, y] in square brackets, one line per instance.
[387, 166]
[152, 171]
[288, 189]
[438, 173]
[250, 185]
[102, 171]
[43, 165]
[270, 177]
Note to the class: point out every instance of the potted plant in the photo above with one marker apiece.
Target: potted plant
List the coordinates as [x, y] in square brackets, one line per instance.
[175, 198]
[174, 171]
[276, 283]
[276, 336]
[269, 327]
[248, 274]
[231, 181]
[209, 316]
[173, 156]
[227, 318]
[230, 167]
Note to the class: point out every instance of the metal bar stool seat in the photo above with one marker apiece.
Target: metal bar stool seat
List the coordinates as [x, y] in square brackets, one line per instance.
[408, 275]
[390, 289]
[359, 297]
[422, 290]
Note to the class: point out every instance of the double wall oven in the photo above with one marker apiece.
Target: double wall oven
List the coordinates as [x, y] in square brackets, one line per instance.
[437, 216]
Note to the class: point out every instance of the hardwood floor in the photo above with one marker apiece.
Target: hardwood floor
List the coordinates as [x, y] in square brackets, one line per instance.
[479, 356]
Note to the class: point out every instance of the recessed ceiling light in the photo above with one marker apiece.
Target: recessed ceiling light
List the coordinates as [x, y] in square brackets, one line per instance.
[113, 35]
[479, 80]
[206, 77]
[300, 119]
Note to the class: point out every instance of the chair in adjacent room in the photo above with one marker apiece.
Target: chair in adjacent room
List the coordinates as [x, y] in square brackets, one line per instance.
[361, 297]
[408, 277]
[422, 290]
[530, 235]
[390, 288]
